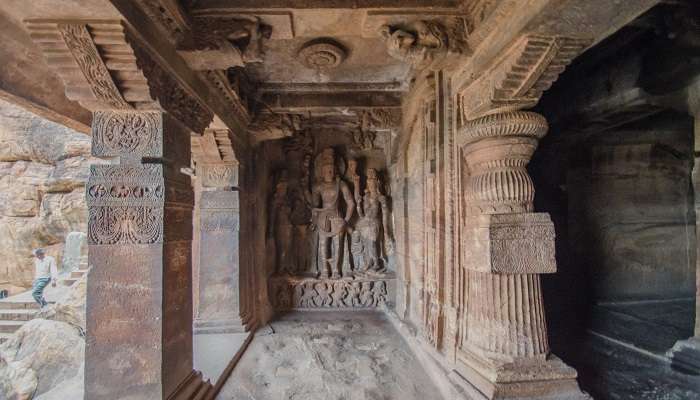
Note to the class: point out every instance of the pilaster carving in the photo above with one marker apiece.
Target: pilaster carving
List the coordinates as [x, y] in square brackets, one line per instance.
[517, 81]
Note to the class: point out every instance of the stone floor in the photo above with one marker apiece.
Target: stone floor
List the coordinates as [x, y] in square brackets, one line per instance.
[329, 356]
[612, 372]
[214, 351]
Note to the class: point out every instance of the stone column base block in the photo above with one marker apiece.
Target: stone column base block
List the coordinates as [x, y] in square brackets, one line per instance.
[685, 356]
[510, 244]
[233, 325]
[527, 379]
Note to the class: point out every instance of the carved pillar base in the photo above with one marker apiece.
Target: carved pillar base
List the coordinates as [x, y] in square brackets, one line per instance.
[685, 356]
[219, 308]
[505, 248]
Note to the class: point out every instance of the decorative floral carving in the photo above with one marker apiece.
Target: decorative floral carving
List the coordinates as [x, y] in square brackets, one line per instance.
[81, 45]
[219, 175]
[220, 221]
[117, 133]
[125, 225]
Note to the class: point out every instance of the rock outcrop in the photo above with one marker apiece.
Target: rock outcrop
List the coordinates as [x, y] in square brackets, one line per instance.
[45, 358]
[43, 170]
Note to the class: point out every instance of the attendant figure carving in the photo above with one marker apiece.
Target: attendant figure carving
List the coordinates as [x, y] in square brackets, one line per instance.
[323, 297]
[280, 226]
[373, 226]
[331, 226]
[339, 293]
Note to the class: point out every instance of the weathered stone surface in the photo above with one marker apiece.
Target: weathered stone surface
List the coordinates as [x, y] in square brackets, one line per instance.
[40, 356]
[75, 252]
[330, 355]
[43, 170]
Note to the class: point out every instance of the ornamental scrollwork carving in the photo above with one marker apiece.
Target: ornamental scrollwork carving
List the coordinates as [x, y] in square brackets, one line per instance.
[219, 175]
[81, 45]
[125, 225]
[220, 221]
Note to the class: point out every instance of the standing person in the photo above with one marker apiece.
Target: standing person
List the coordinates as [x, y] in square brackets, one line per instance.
[45, 270]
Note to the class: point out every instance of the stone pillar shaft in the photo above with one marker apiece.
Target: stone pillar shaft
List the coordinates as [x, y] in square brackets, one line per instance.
[219, 306]
[139, 235]
[505, 248]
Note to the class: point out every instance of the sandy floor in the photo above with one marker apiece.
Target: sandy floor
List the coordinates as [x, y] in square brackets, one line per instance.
[329, 356]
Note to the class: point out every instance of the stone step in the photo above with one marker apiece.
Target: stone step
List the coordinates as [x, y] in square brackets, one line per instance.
[17, 315]
[19, 305]
[10, 326]
[77, 274]
[69, 281]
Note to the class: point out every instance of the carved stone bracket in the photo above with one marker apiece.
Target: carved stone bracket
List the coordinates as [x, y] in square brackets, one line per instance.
[103, 68]
[426, 43]
[519, 78]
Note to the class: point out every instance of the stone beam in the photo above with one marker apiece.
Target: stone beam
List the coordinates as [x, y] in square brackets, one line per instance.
[301, 101]
[349, 4]
[209, 87]
[515, 65]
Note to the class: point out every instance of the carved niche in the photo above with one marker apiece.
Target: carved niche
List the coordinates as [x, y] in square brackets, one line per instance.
[331, 236]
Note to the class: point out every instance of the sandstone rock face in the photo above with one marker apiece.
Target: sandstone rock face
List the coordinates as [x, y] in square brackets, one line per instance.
[43, 170]
[45, 358]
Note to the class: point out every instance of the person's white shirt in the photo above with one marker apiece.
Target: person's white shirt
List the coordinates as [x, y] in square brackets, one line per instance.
[45, 268]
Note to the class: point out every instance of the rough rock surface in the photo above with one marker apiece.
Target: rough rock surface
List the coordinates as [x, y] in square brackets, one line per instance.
[45, 358]
[329, 355]
[43, 170]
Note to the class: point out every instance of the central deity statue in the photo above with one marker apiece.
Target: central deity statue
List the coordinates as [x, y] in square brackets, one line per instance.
[327, 214]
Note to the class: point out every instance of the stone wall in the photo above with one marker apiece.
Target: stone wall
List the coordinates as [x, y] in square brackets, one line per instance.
[630, 211]
[43, 170]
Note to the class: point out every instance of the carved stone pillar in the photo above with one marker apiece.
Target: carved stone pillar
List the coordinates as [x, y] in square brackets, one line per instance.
[219, 306]
[505, 352]
[139, 233]
[685, 355]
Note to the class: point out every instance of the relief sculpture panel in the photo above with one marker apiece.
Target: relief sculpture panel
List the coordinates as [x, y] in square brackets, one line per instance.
[329, 227]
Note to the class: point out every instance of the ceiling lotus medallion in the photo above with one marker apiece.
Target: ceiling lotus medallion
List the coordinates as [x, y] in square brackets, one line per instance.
[322, 54]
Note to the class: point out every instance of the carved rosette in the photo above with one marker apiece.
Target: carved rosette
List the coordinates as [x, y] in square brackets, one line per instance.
[322, 55]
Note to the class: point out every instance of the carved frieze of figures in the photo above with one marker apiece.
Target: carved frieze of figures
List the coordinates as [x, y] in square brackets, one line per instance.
[425, 44]
[316, 293]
